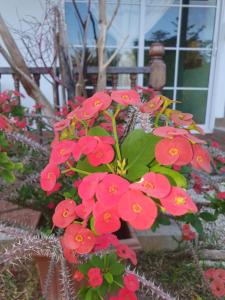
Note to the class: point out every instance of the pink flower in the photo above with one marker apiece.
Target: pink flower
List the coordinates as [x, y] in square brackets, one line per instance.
[83, 210]
[51, 205]
[61, 125]
[65, 213]
[218, 288]
[168, 131]
[125, 252]
[215, 144]
[209, 274]
[78, 276]
[104, 241]
[131, 282]
[187, 233]
[55, 188]
[80, 239]
[126, 97]
[106, 218]
[4, 123]
[103, 154]
[201, 159]
[151, 106]
[95, 277]
[87, 144]
[48, 177]
[140, 211]
[111, 188]
[220, 195]
[61, 151]
[69, 254]
[176, 151]
[153, 184]
[88, 186]
[181, 119]
[98, 102]
[125, 294]
[178, 202]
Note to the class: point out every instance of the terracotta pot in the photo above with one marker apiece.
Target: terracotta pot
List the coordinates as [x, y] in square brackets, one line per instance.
[126, 235]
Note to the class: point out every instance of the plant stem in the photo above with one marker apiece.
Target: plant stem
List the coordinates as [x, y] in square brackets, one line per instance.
[116, 138]
[110, 168]
[76, 170]
[117, 283]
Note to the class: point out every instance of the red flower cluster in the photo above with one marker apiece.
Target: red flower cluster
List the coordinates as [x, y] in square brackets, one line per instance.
[180, 148]
[188, 234]
[217, 281]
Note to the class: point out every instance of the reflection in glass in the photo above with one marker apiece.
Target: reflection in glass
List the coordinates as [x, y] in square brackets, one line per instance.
[161, 25]
[197, 27]
[124, 26]
[123, 58]
[194, 68]
[193, 102]
[200, 2]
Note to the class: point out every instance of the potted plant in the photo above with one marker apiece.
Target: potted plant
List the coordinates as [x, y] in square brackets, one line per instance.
[121, 167]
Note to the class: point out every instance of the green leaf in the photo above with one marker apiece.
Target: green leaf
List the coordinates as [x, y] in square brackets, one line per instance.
[206, 216]
[195, 222]
[18, 166]
[3, 141]
[92, 225]
[112, 257]
[96, 261]
[89, 295]
[8, 176]
[136, 171]
[108, 277]
[139, 147]
[84, 268]
[164, 220]
[97, 131]
[176, 177]
[85, 166]
[116, 268]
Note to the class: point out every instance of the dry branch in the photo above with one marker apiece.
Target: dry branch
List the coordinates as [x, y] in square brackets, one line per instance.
[15, 59]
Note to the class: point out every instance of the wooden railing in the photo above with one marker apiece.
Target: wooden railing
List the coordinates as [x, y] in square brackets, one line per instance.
[156, 72]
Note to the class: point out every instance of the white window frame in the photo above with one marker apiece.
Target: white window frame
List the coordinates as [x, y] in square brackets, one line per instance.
[211, 112]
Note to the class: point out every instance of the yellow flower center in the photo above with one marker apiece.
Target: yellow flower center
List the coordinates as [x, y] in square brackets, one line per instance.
[180, 200]
[199, 158]
[173, 151]
[62, 151]
[151, 105]
[97, 102]
[65, 213]
[99, 154]
[125, 97]
[136, 208]
[181, 116]
[113, 189]
[79, 238]
[50, 175]
[107, 217]
[148, 185]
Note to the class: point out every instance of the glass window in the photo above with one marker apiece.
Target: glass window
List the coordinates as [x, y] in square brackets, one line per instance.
[161, 25]
[193, 102]
[194, 68]
[197, 27]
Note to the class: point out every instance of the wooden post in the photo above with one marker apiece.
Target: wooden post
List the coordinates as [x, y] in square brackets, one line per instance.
[157, 79]
[16, 85]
